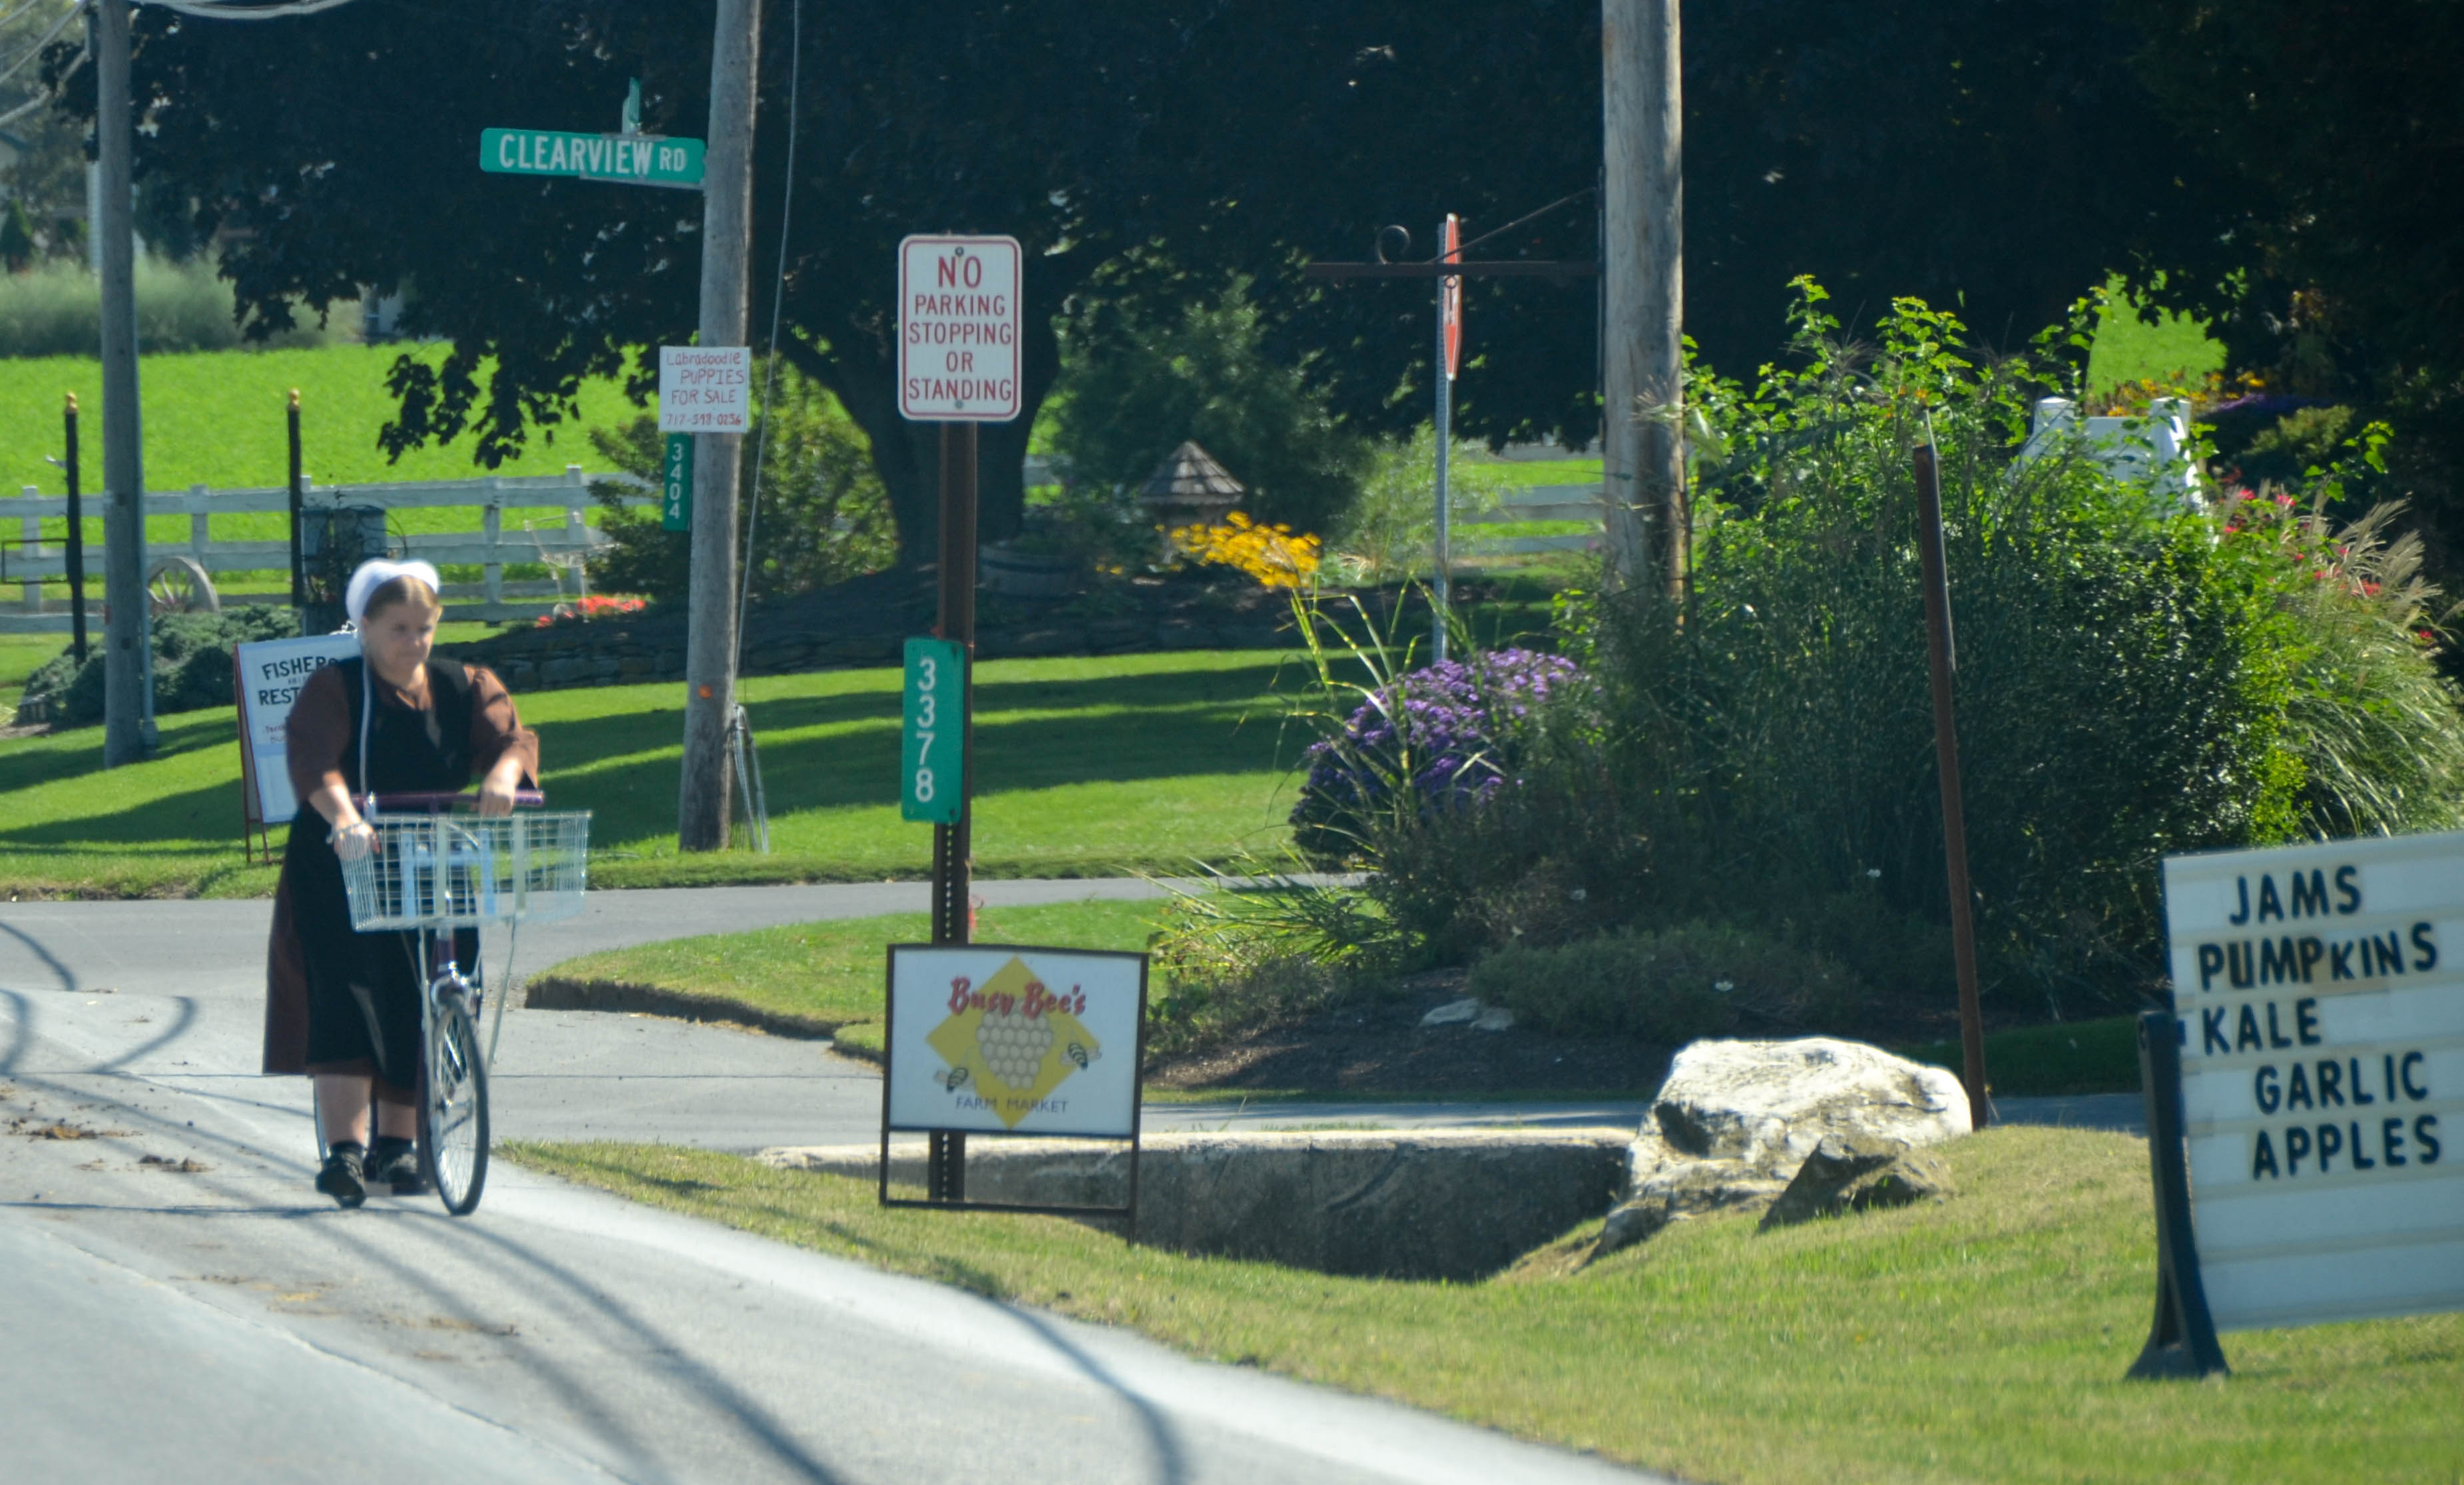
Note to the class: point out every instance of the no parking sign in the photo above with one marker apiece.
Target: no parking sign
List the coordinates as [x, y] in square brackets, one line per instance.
[958, 329]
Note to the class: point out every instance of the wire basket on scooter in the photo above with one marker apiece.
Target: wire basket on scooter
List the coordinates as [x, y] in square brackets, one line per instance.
[442, 870]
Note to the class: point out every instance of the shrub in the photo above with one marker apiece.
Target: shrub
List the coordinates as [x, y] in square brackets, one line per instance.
[1229, 963]
[1434, 740]
[2134, 678]
[55, 309]
[1389, 531]
[825, 517]
[1673, 987]
[1141, 374]
[192, 665]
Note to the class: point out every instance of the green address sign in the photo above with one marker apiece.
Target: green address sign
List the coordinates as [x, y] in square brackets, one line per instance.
[932, 780]
[633, 159]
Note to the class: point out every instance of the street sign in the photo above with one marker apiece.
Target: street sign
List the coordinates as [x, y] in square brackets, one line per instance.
[958, 329]
[1450, 293]
[1012, 1039]
[675, 483]
[2321, 996]
[932, 757]
[627, 159]
[705, 388]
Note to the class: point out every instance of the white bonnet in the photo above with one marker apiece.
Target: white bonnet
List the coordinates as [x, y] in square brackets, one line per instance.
[375, 573]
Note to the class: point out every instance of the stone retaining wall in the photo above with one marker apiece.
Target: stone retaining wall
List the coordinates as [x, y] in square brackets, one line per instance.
[1441, 1204]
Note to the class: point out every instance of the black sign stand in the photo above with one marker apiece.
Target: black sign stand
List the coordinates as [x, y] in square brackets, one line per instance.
[945, 1183]
[945, 1178]
[2182, 1342]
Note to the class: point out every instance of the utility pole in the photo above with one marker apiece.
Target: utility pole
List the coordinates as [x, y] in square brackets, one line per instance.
[127, 666]
[711, 639]
[1643, 211]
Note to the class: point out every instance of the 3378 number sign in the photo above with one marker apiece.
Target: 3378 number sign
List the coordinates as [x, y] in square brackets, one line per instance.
[932, 756]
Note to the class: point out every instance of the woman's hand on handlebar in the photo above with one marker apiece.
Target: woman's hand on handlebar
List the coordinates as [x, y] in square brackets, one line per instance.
[354, 840]
[497, 789]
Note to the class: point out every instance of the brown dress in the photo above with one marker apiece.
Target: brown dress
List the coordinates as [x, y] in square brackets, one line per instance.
[312, 949]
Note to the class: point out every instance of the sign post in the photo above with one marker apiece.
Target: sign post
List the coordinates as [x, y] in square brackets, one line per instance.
[1449, 356]
[958, 340]
[2319, 997]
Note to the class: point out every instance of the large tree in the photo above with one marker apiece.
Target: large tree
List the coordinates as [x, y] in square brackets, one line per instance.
[1998, 152]
[2337, 274]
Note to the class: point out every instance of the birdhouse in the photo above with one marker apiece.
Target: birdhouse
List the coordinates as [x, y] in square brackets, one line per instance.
[1188, 489]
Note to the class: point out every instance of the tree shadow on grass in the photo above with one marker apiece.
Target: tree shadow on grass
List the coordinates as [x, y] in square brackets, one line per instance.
[77, 753]
[162, 821]
[579, 742]
[637, 799]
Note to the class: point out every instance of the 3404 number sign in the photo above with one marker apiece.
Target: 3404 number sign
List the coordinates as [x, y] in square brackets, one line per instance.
[931, 755]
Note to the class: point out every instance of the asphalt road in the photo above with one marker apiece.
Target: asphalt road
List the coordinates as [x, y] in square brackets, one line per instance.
[161, 1322]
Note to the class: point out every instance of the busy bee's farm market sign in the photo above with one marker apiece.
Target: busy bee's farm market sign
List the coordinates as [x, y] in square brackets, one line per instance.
[2321, 996]
[1005, 1038]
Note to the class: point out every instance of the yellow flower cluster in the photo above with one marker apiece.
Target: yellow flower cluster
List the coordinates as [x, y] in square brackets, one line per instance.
[1271, 554]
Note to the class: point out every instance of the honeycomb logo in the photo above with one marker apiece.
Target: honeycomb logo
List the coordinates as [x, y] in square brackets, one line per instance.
[1011, 1041]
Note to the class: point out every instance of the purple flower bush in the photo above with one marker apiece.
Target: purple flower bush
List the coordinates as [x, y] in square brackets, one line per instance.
[1445, 735]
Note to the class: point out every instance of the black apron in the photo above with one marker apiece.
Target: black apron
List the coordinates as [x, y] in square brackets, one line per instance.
[363, 987]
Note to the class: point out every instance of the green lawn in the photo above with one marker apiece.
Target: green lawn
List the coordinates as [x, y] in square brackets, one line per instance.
[1980, 1339]
[829, 974]
[1085, 767]
[218, 418]
[2127, 349]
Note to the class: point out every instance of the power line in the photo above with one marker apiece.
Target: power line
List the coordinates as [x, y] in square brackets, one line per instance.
[212, 10]
[36, 51]
[23, 9]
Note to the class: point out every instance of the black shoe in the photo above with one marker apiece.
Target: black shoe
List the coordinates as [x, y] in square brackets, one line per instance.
[396, 1161]
[345, 1177]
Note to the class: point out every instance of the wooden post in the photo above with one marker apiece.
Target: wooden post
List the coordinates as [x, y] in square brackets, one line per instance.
[1643, 360]
[31, 528]
[1954, 815]
[710, 637]
[491, 531]
[128, 668]
[298, 494]
[200, 523]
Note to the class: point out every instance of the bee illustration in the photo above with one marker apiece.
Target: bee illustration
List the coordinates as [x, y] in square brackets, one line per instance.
[953, 1080]
[1078, 1053]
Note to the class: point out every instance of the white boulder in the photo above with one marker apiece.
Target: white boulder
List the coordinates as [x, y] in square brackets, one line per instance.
[1735, 1120]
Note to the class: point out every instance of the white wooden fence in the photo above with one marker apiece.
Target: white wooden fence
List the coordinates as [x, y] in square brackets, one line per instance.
[561, 544]
[1536, 503]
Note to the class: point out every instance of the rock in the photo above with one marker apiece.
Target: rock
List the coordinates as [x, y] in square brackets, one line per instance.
[1452, 1013]
[1496, 1018]
[1846, 1173]
[1736, 1121]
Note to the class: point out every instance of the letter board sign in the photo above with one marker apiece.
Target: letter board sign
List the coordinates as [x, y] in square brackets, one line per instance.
[1006, 1038]
[958, 329]
[2321, 996]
